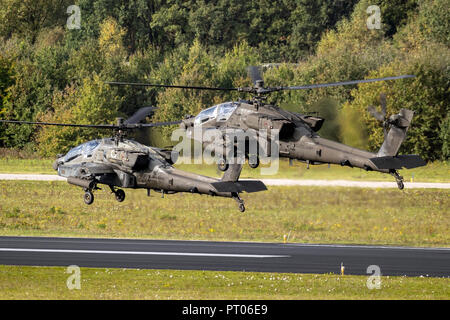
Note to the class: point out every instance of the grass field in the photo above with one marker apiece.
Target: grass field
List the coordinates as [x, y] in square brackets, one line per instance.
[414, 217]
[433, 172]
[50, 283]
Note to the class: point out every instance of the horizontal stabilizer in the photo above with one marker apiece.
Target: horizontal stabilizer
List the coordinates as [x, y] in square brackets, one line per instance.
[241, 186]
[406, 161]
[252, 185]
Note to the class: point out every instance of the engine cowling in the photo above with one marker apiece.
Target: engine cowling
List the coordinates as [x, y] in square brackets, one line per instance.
[128, 159]
[258, 121]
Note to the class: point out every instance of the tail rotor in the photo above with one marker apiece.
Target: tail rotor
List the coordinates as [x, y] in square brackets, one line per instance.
[380, 116]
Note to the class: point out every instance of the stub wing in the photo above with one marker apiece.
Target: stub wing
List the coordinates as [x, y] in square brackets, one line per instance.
[398, 162]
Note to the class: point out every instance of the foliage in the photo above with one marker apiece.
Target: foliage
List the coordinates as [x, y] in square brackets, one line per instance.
[93, 102]
[6, 80]
[197, 67]
[428, 94]
[211, 43]
[28, 17]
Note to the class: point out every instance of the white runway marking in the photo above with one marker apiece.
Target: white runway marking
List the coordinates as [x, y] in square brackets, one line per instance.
[366, 247]
[154, 253]
[273, 182]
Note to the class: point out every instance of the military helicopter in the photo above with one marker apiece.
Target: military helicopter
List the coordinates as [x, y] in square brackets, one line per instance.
[298, 138]
[125, 163]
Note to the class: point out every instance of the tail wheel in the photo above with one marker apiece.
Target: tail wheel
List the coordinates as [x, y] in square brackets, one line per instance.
[120, 195]
[88, 197]
[253, 162]
[398, 179]
[241, 207]
[222, 164]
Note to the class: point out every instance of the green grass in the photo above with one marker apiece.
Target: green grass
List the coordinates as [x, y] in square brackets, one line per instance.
[433, 172]
[412, 217]
[50, 283]
[31, 166]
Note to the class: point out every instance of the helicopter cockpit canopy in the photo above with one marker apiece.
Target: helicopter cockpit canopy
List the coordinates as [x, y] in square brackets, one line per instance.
[85, 150]
[220, 112]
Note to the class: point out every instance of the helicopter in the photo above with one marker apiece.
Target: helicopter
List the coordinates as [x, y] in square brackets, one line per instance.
[124, 163]
[298, 138]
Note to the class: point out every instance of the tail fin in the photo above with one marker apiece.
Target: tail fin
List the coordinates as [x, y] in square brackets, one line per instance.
[387, 157]
[233, 172]
[230, 182]
[399, 125]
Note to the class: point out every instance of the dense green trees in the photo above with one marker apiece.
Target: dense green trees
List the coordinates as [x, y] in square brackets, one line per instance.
[48, 72]
[27, 18]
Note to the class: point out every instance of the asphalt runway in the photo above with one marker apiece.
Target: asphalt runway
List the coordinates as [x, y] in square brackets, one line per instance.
[224, 256]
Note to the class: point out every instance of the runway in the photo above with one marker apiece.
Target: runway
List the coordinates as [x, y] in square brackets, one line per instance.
[224, 256]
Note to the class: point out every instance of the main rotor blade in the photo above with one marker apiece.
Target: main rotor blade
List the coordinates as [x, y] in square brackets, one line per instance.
[129, 126]
[168, 86]
[343, 83]
[140, 115]
[159, 124]
[98, 126]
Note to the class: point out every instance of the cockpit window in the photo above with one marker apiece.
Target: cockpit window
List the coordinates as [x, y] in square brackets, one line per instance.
[220, 112]
[89, 147]
[205, 115]
[73, 153]
[225, 110]
[85, 149]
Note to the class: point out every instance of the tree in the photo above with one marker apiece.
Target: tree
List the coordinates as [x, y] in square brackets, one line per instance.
[27, 17]
[93, 102]
[427, 95]
[6, 80]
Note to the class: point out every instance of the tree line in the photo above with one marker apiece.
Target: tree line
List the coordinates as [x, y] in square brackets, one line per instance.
[53, 73]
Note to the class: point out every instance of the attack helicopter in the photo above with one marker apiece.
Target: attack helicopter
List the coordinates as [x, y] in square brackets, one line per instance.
[297, 133]
[124, 163]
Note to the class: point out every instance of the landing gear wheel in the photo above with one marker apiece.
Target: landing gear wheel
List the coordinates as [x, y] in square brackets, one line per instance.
[253, 162]
[120, 195]
[240, 202]
[222, 164]
[398, 179]
[88, 197]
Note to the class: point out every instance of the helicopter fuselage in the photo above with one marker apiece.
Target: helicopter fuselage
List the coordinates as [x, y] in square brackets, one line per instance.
[128, 164]
[297, 137]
